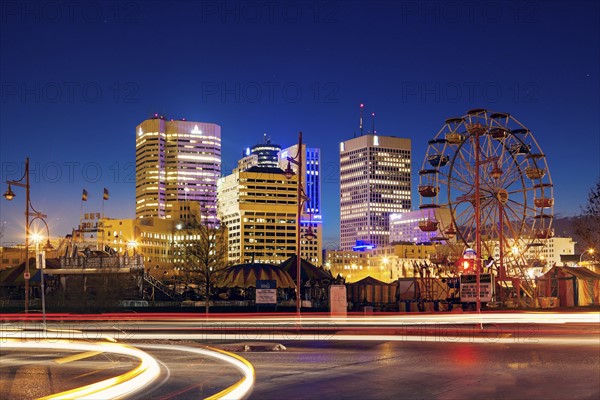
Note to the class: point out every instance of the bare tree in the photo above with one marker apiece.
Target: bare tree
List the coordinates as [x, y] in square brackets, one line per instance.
[587, 226]
[204, 251]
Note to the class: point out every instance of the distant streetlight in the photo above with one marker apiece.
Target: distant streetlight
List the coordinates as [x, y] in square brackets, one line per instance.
[132, 244]
[29, 212]
[40, 262]
[301, 196]
[590, 250]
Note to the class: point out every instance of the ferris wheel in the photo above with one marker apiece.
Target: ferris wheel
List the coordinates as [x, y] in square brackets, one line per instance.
[485, 181]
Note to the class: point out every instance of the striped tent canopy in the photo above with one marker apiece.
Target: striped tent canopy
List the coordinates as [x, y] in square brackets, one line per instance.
[307, 270]
[371, 290]
[246, 275]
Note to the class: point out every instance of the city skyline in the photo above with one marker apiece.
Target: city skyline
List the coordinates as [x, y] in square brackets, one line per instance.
[537, 61]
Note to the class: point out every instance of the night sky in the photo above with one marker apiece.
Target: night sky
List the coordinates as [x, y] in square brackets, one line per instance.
[77, 78]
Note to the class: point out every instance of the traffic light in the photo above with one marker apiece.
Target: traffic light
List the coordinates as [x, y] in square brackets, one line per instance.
[467, 265]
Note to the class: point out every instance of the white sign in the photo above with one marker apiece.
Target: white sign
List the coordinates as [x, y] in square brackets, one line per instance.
[468, 288]
[266, 292]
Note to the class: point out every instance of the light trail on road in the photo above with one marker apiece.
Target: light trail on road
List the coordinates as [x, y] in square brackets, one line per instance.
[309, 318]
[238, 390]
[136, 379]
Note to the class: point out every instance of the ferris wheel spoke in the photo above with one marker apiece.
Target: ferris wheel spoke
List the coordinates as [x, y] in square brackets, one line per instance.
[526, 210]
[460, 185]
[512, 173]
[518, 222]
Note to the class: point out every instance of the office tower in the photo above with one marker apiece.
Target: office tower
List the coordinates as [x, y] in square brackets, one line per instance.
[176, 160]
[311, 211]
[259, 207]
[375, 181]
[266, 152]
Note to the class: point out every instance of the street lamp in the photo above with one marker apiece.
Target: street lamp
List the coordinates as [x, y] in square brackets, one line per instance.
[132, 244]
[590, 250]
[301, 196]
[29, 211]
[40, 263]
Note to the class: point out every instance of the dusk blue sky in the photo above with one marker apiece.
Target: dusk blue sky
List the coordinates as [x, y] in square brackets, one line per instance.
[77, 79]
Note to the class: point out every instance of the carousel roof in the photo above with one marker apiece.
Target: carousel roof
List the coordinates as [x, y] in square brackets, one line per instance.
[307, 270]
[246, 275]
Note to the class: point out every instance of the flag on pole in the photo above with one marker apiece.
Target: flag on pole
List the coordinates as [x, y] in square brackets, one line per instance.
[84, 195]
[105, 195]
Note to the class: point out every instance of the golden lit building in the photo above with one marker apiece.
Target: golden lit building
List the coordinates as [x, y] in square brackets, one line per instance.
[155, 238]
[259, 207]
[384, 263]
[176, 161]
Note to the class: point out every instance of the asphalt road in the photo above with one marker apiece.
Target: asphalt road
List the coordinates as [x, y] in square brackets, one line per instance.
[422, 369]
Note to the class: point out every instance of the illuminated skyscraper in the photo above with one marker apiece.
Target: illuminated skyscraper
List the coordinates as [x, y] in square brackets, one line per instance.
[311, 183]
[375, 181]
[259, 207]
[176, 161]
[267, 153]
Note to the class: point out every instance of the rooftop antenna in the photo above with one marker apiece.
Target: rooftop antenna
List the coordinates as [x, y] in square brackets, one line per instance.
[373, 123]
[362, 107]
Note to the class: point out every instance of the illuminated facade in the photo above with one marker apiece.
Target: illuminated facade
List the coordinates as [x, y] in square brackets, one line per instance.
[375, 181]
[267, 153]
[311, 184]
[548, 253]
[404, 227]
[259, 208]
[155, 238]
[176, 161]
[384, 263]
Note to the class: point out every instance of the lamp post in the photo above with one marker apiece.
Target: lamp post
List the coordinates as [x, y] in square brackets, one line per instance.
[289, 173]
[40, 263]
[590, 250]
[9, 195]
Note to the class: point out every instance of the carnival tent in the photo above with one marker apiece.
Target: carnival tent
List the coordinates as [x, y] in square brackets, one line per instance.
[307, 270]
[246, 275]
[574, 286]
[372, 291]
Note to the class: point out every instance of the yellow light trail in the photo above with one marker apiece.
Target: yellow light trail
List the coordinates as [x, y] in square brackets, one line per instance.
[76, 357]
[115, 387]
[239, 390]
[134, 380]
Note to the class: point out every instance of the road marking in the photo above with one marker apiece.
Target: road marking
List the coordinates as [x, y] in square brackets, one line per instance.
[116, 387]
[76, 357]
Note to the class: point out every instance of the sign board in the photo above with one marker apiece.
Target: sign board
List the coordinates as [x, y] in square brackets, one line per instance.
[27, 275]
[468, 287]
[338, 301]
[266, 292]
